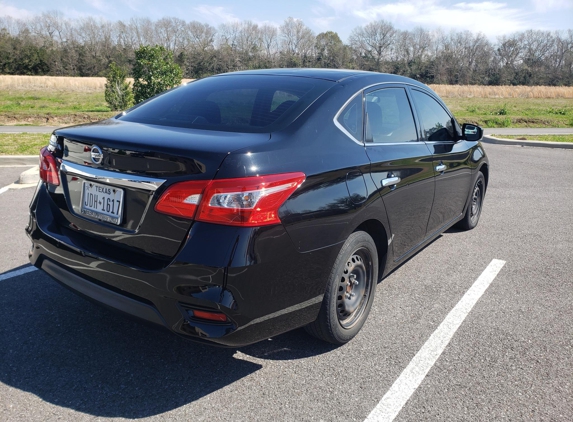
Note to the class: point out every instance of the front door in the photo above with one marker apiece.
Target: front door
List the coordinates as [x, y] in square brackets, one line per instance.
[452, 161]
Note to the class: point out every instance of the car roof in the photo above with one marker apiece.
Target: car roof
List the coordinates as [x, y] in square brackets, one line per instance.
[334, 75]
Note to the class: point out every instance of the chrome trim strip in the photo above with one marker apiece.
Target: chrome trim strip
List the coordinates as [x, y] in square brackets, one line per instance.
[112, 177]
[369, 144]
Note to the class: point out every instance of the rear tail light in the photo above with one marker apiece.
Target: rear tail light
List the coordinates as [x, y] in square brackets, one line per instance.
[49, 167]
[181, 199]
[248, 201]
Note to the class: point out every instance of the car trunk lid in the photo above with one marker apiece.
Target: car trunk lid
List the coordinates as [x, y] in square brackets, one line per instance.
[112, 174]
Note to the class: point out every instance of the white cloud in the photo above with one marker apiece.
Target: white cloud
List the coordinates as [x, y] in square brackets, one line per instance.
[323, 20]
[134, 5]
[490, 17]
[324, 23]
[216, 14]
[547, 5]
[100, 5]
[16, 13]
[344, 5]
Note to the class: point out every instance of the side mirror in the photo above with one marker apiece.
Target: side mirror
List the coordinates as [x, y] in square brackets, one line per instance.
[472, 132]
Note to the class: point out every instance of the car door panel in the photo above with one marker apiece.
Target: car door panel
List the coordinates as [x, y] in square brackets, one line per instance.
[451, 159]
[452, 184]
[401, 169]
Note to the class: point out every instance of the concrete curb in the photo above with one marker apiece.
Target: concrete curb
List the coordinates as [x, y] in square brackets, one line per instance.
[29, 176]
[28, 129]
[488, 139]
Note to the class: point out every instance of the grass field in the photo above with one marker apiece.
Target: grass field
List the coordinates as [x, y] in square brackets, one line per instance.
[22, 143]
[55, 101]
[545, 138]
[513, 112]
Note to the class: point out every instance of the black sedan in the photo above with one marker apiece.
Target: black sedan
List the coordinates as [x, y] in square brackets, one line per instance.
[244, 205]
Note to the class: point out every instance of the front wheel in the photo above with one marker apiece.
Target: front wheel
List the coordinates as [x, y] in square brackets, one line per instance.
[473, 212]
[350, 291]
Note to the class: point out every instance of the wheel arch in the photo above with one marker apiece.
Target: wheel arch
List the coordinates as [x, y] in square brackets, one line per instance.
[484, 169]
[378, 233]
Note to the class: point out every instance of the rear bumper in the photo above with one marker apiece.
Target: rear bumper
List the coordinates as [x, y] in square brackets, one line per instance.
[255, 276]
[100, 294]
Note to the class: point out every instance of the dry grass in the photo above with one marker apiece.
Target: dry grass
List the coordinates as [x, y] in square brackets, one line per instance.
[55, 83]
[97, 84]
[481, 91]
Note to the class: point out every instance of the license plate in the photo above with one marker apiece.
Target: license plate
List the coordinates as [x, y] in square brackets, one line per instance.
[102, 202]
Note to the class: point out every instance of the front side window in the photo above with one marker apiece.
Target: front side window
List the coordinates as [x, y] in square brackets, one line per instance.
[436, 122]
[389, 117]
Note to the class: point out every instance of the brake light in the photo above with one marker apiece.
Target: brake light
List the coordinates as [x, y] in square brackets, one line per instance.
[247, 201]
[181, 199]
[48, 167]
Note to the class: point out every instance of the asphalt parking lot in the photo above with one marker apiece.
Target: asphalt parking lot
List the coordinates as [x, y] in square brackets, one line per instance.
[63, 358]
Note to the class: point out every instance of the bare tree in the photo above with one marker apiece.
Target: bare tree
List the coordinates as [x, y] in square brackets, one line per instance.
[373, 43]
[296, 41]
[269, 42]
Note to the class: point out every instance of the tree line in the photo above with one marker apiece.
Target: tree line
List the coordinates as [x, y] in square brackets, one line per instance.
[49, 44]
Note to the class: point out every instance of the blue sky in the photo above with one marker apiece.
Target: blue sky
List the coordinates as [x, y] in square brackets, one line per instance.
[493, 18]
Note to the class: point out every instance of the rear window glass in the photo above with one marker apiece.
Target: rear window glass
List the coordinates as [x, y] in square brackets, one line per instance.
[239, 103]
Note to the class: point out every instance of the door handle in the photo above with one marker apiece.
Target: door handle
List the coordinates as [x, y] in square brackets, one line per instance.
[441, 168]
[391, 181]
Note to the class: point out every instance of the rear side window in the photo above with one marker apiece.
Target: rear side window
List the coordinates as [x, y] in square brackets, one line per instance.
[389, 117]
[236, 103]
[350, 118]
[436, 122]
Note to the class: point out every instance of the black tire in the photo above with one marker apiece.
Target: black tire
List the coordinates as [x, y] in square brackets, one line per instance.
[350, 291]
[471, 218]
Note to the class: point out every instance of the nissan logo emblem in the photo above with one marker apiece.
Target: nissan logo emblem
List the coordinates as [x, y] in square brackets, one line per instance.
[96, 154]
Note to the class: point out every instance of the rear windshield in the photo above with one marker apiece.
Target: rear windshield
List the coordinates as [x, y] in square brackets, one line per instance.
[236, 103]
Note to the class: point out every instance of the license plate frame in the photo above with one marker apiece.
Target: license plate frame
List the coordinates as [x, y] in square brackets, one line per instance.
[108, 198]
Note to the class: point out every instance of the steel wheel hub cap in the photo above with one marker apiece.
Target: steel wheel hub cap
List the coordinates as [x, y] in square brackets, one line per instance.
[476, 200]
[353, 290]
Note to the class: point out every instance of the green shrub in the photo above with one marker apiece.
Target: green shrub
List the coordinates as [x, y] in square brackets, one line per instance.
[558, 111]
[118, 93]
[503, 111]
[498, 122]
[154, 72]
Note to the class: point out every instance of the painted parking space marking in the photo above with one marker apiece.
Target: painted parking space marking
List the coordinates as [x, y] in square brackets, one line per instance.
[16, 273]
[409, 380]
[4, 189]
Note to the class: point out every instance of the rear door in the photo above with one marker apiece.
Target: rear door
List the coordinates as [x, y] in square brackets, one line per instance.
[401, 165]
[451, 159]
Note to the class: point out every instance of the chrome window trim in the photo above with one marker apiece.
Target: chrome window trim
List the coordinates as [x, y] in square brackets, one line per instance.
[395, 143]
[362, 143]
[111, 177]
[342, 128]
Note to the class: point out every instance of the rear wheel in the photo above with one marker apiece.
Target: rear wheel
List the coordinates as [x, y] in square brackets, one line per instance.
[350, 291]
[471, 218]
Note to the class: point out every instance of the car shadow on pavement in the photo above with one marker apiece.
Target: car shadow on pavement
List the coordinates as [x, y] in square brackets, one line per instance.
[72, 353]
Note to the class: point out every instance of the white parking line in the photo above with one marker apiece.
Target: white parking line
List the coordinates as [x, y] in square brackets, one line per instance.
[409, 380]
[4, 189]
[16, 273]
